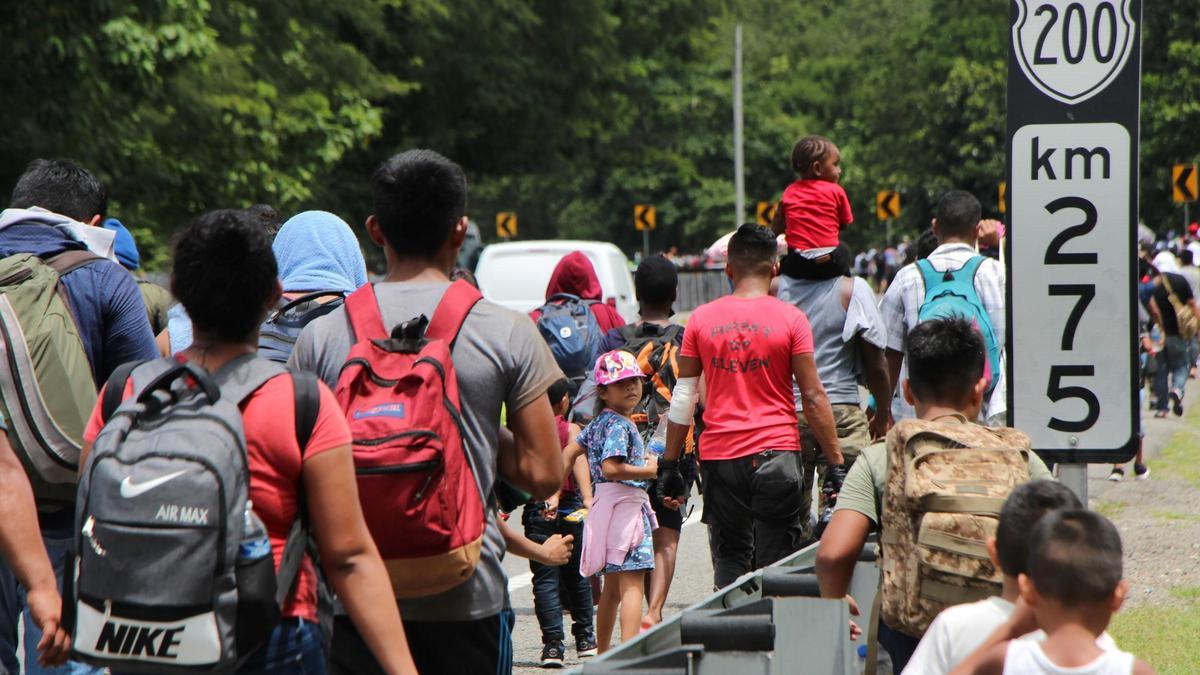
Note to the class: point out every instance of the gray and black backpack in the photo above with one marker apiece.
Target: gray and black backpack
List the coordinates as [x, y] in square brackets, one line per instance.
[174, 570]
[278, 334]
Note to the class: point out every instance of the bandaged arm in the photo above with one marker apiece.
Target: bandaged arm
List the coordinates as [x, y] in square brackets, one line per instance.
[683, 405]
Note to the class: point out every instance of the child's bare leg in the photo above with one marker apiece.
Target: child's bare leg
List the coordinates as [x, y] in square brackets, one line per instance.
[666, 546]
[606, 612]
[631, 589]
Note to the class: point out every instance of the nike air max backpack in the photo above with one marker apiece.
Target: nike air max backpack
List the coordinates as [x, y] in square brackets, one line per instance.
[420, 494]
[46, 386]
[174, 570]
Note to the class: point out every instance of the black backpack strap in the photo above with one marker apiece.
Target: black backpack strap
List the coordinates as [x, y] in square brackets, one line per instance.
[68, 261]
[114, 389]
[307, 394]
[285, 306]
[308, 405]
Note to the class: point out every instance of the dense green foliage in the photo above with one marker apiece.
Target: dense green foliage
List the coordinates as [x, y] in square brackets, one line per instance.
[566, 112]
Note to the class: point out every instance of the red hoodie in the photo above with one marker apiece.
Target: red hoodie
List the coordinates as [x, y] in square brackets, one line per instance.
[575, 275]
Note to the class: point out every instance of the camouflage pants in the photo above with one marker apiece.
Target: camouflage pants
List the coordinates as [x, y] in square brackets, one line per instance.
[853, 433]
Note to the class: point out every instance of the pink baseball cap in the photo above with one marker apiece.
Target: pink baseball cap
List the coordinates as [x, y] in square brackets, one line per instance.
[615, 366]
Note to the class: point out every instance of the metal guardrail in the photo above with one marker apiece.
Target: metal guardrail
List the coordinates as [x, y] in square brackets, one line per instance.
[697, 287]
[769, 622]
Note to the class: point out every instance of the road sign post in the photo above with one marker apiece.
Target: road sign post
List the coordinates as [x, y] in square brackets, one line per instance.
[645, 218]
[1184, 189]
[506, 225]
[1073, 95]
[887, 209]
[765, 213]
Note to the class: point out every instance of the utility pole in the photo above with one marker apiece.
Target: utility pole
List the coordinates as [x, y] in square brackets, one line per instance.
[739, 155]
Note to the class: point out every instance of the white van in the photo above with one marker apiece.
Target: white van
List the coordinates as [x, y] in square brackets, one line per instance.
[515, 274]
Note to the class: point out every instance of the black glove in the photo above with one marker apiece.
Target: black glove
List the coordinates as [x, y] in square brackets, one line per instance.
[670, 481]
[835, 475]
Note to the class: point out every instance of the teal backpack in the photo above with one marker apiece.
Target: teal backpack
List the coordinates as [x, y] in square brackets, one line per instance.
[952, 293]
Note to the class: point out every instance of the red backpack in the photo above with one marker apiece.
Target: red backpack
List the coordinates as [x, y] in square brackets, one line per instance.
[420, 495]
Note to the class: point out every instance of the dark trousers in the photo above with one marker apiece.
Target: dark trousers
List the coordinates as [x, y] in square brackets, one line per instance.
[828, 266]
[1173, 363]
[554, 587]
[899, 646]
[483, 646]
[753, 510]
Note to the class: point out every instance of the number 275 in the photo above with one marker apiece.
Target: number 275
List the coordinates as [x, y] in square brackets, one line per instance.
[1085, 293]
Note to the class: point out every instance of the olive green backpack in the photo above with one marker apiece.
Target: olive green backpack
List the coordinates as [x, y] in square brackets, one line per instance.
[46, 386]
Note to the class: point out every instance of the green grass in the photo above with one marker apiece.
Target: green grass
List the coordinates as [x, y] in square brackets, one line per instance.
[1111, 510]
[1177, 458]
[1175, 516]
[1163, 636]
[1189, 593]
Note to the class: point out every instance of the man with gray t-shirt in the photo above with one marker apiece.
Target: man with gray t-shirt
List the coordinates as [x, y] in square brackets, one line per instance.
[501, 361]
[849, 339]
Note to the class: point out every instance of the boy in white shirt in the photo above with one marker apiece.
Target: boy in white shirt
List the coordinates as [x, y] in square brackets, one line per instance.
[1073, 586]
[959, 630]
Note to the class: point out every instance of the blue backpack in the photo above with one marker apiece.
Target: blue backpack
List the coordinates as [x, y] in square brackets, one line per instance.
[569, 327]
[952, 293]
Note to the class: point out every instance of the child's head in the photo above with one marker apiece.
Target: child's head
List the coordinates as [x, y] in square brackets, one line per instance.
[559, 401]
[1023, 510]
[655, 283]
[618, 382]
[958, 214]
[945, 366]
[817, 157]
[1075, 563]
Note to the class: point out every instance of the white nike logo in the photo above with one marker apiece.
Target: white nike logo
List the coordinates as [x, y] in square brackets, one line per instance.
[129, 489]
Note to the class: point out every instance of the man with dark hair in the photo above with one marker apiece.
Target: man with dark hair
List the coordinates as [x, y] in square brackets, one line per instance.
[63, 187]
[956, 228]
[52, 198]
[54, 207]
[1171, 290]
[749, 347]
[849, 341]
[268, 216]
[958, 630]
[1073, 585]
[418, 220]
[945, 382]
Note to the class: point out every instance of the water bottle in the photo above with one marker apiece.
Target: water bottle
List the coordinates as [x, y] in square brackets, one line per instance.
[658, 440]
[862, 658]
[256, 543]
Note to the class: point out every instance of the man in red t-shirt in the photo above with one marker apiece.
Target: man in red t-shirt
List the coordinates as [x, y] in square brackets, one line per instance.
[749, 346]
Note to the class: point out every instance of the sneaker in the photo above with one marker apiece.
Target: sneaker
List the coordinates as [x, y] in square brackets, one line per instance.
[1160, 415]
[1141, 472]
[552, 655]
[1117, 475]
[1177, 402]
[585, 647]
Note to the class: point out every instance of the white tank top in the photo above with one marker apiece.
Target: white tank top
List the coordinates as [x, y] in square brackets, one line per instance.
[1027, 658]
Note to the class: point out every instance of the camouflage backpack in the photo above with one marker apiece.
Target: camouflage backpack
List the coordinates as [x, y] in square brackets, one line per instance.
[946, 482]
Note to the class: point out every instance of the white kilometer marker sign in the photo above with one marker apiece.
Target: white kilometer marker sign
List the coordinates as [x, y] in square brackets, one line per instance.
[1073, 112]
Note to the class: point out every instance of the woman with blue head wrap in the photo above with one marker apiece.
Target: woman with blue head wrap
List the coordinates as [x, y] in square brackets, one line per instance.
[317, 251]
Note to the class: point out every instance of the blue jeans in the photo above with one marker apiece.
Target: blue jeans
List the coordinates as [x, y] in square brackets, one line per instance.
[899, 646]
[1173, 363]
[554, 587]
[57, 538]
[293, 647]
